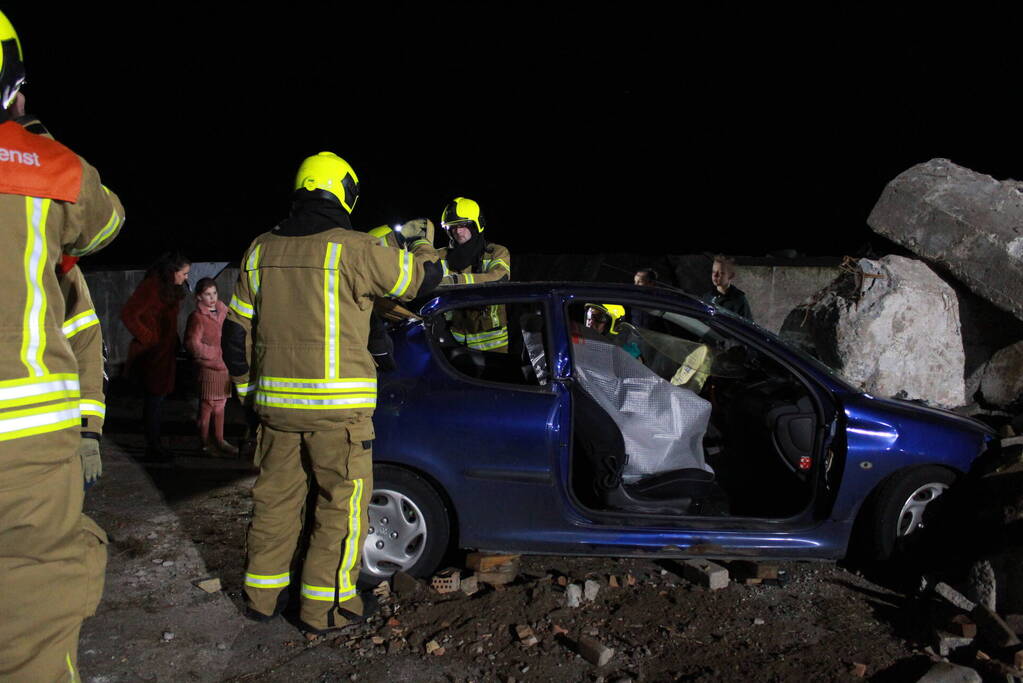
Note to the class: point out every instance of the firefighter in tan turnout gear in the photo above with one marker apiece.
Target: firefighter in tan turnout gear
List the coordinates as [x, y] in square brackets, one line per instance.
[51, 555]
[470, 259]
[295, 342]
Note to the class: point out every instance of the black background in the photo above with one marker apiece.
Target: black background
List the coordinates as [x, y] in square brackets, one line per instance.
[590, 128]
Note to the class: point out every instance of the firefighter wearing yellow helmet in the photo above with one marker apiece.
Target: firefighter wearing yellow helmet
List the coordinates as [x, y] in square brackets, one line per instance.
[52, 557]
[471, 259]
[295, 343]
[606, 320]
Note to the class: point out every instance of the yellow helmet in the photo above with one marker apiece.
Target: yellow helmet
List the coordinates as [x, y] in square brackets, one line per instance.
[614, 313]
[462, 211]
[12, 64]
[329, 172]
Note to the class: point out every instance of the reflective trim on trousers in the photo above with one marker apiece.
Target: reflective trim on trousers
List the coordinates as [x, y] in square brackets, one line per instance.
[31, 421]
[243, 389]
[268, 580]
[405, 261]
[33, 341]
[314, 386]
[80, 322]
[489, 335]
[351, 547]
[240, 307]
[93, 408]
[326, 593]
[27, 391]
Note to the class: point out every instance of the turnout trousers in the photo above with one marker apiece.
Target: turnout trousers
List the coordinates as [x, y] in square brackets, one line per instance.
[339, 464]
[52, 561]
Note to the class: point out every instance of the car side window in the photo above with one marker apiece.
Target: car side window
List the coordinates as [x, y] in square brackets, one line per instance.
[503, 342]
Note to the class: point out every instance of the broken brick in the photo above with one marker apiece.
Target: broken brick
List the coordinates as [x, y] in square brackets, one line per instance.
[447, 581]
[745, 569]
[432, 647]
[470, 585]
[405, 584]
[962, 626]
[612, 581]
[484, 563]
[705, 573]
[630, 579]
[858, 670]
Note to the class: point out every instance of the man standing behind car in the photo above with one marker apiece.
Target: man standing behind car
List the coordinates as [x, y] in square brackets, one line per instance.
[295, 343]
[470, 259]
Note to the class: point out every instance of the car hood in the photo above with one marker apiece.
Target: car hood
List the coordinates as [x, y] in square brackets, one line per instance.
[917, 411]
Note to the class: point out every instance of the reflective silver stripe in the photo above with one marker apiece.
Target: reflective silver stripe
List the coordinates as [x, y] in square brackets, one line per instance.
[20, 423]
[487, 345]
[34, 335]
[252, 266]
[405, 260]
[93, 408]
[109, 229]
[26, 389]
[481, 336]
[357, 401]
[351, 552]
[243, 389]
[268, 580]
[240, 307]
[496, 263]
[318, 592]
[331, 306]
[313, 386]
[469, 278]
[80, 322]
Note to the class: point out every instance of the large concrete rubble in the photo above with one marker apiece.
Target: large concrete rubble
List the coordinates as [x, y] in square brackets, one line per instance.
[965, 222]
[890, 326]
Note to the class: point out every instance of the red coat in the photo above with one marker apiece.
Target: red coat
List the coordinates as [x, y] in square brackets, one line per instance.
[154, 324]
[202, 336]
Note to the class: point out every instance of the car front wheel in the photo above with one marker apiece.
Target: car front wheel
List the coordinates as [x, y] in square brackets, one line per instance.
[904, 507]
[409, 526]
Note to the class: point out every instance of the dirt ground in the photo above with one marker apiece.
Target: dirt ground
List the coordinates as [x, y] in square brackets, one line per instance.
[174, 525]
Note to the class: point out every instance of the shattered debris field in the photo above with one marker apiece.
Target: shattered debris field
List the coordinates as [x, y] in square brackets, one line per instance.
[173, 526]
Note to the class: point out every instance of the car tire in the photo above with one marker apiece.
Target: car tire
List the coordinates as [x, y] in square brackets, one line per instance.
[409, 526]
[900, 506]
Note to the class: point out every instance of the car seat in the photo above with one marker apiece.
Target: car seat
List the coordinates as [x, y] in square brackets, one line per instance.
[601, 456]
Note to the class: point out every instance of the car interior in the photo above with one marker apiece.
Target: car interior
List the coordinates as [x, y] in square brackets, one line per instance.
[754, 454]
[670, 417]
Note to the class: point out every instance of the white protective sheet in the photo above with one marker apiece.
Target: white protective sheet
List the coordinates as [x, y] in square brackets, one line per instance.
[663, 425]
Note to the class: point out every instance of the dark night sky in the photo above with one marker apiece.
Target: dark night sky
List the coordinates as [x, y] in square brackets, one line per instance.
[592, 129]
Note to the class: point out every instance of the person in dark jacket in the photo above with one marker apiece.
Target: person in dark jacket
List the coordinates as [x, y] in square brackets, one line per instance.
[726, 295]
[151, 315]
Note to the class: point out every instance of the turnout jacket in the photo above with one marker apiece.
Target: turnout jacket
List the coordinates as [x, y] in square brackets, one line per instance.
[304, 303]
[82, 330]
[51, 201]
[485, 328]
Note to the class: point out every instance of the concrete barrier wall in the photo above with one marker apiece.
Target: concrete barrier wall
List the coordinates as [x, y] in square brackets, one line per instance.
[773, 290]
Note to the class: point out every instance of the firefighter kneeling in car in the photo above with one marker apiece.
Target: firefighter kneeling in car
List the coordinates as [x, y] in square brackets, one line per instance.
[470, 259]
[295, 344]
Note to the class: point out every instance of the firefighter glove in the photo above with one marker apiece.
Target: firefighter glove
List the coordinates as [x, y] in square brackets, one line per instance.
[451, 279]
[417, 229]
[92, 465]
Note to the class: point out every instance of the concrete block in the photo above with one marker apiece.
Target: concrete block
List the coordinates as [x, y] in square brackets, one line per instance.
[992, 628]
[573, 595]
[946, 672]
[469, 585]
[954, 597]
[590, 590]
[593, 651]
[946, 642]
[705, 573]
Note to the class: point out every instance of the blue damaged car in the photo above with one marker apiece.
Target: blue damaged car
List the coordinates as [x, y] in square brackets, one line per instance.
[673, 430]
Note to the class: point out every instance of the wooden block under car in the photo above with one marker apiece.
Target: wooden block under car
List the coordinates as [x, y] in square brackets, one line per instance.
[481, 562]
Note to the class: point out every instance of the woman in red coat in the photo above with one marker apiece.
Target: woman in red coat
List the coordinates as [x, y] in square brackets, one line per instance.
[202, 339]
[151, 315]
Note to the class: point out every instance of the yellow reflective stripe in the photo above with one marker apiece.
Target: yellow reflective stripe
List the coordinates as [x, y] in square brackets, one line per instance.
[108, 230]
[480, 336]
[444, 266]
[497, 263]
[80, 322]
[405, 261]
[318, 385]
[240, 307]
[306, 402]
[268, 580]
[417, 243]
[29, 389]
[351, 552]
[33, 340]
[90, 407]
[243, 389]
[73, 675]
[325, 593]
[252, 266]
[331, 310]
[51, 418]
